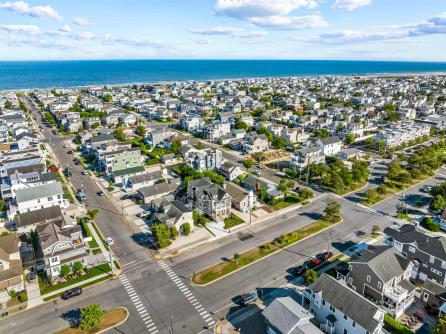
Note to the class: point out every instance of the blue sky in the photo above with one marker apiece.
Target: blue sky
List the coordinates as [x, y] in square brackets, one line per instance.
[223, 29]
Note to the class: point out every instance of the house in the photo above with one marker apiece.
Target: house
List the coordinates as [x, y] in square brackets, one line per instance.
[59, 243]
[204, 159]
[330, 145]
[135, 182]
[27, 221]
[24, 177]
[11, 271]
[25, 140]
[174, 214]
[169, 158]
[341, 310]
[303, 157]
[241, 199]
[156, 137]
[216, 130]
[381, 273]
[428, 253]
[209, 199]
[254, 143]
[230, 171]
[285, 316]
[432, 294]
[38, 197]
[350, 153]
[150, 193]
[191, 123]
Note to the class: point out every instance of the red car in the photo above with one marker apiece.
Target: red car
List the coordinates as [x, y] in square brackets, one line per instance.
[53, 169]
[314, 262]
[324, 256]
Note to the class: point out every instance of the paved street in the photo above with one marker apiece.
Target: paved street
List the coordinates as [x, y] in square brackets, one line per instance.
[160, 293]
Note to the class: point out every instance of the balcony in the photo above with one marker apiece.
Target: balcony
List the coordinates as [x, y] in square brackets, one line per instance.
[396, 293]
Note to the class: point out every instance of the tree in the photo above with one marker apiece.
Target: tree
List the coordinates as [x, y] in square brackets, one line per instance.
[107, 98]
[65, 270]
[437, 203]
[186, 228]
[279, 142]
[283, 186]
[92, 213]
[161, 233]
[239, 124]
[173, 232]
[140, 131]
[8, 105]
[248, 163]
[78, 267]
[236, 258]
[350, 138]
[332, 211]
[430, 225]
[258, 156]
[305, 193]
[199, 146]
[440, 326]
[198, 218]
[119, 134]
[310, 276]
[91, 315]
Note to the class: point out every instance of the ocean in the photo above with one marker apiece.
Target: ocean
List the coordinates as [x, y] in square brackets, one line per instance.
[48, 74]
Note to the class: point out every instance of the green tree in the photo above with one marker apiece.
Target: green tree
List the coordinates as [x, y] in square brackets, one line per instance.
[65, 270]
[140, 131]
[91, 315]
[283, 186]
[236, 258]
[305, 193]
[8, 105]
[198, 218]
[437, 203]
[78, 267]
[440, 326]
[239, 124]
[161, 233]
[107, 98]
[332, 211]
[119, 134]
[279, 142]
[310, 276]
[248, 163]
[186, 228]
[258, 156]
[199, 146]
[349, 139]
[92, 213]
[173, 232]
[430, 225]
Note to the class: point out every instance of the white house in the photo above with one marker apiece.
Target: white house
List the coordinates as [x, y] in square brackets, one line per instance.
[330, 145]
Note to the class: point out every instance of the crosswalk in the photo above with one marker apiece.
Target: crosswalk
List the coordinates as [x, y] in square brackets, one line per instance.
[188, 294]
[140, 308]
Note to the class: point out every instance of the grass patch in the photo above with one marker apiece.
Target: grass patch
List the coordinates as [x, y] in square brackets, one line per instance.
[67, 194]
[93, 244]
[96, 251]
[99, 234]
[285, 202]
[232, 221]
[94, 271]
[223, 268]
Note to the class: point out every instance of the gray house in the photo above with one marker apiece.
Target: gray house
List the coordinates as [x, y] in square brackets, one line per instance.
[381, 273]
[427, 253]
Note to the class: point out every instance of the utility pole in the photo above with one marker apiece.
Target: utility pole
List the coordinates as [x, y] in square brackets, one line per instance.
[171, 324]
[111, 260]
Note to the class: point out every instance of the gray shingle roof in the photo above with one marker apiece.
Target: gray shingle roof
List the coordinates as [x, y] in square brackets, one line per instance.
[347, 301]
[44, 190]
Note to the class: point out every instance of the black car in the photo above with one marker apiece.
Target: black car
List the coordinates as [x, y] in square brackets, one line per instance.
[300, 270]
[324, 256]
[71, 293]
[248, 298]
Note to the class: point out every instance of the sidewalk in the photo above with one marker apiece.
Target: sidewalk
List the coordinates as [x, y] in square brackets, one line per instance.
[33, 291]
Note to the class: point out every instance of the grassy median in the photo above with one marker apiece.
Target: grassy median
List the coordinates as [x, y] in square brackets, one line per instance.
[240, 260]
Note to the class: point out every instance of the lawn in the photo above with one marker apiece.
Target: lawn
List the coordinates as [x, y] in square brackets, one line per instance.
[94, 271]
[223, 268]
[110, 319]
[67, 194]
[285, 202]
[99, 234]
[232, 221]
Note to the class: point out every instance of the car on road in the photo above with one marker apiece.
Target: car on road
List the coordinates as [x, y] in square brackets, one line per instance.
[426, 189]
[360, 233]
[100, 193]
[324, 256]
[84, 173]
[248, 298]
[81, 195]
[108, 241]
[313, 262]
[70, 152]
[299, 270]
[257, 172]
[143, 214]
[71, 293]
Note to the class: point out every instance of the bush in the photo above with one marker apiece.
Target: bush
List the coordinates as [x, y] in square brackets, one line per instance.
[173, 232]
[186, 228]
[91, 315]
[430, 225]
[310, 276]
[394, 326]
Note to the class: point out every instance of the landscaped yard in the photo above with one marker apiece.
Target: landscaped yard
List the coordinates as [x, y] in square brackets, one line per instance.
[94, 271]
[285, 202]
[232, 221]
[223, 268]
[109, 319]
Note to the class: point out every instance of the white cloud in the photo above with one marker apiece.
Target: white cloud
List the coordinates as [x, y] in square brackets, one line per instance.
[66, 29]
[272, 13]
[229, 31]
[203, 41]
[20, 28]
[351, 4]
[23, 8]
[291, 22]
[80, 21]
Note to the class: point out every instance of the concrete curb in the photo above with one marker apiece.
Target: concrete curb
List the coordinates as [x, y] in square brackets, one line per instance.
[254, 262]
[119, 323]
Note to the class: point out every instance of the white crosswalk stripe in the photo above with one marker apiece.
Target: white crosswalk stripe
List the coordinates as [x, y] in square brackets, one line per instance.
[139, 306]
[187, 293]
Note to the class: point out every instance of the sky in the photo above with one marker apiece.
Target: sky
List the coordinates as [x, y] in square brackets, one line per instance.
[223, 29]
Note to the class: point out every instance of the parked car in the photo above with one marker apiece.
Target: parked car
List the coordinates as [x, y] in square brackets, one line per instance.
[257, 172]
[71, 293]
[299, 270]
[313, 262]
[426, 189]
[108, 241]
[248, 298]
[324, 256]
[143, 214]
[100, 193]
[31, 275]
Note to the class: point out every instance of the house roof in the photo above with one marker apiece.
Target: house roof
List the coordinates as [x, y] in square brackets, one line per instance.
[435, 246]
[385, 261]
[128, 171]
[434, 288]
[157, 189]
[349, 302]
[330, 140]
[9, 244]
[237, 193]
[145, 177]
[54, 231]
[37, 216]
[284, 314]
[44, 190]
[27, 169]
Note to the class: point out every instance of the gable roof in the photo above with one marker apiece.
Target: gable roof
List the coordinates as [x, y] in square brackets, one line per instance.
[37, 216]
[330, 140]
[347, 301]
[44, 190]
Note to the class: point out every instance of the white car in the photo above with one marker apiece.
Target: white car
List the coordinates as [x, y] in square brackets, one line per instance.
[108, 241]
[143, 214]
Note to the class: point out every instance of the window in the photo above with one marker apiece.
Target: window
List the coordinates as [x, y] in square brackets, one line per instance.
[411, 249]
[353, 324]
[54, 259]
[380, 285]
[323, 302]
[50, 198]
[332, 309]
[345, 317]
[345, 331]
[368, 278]
[431, 259]
[439, 273]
